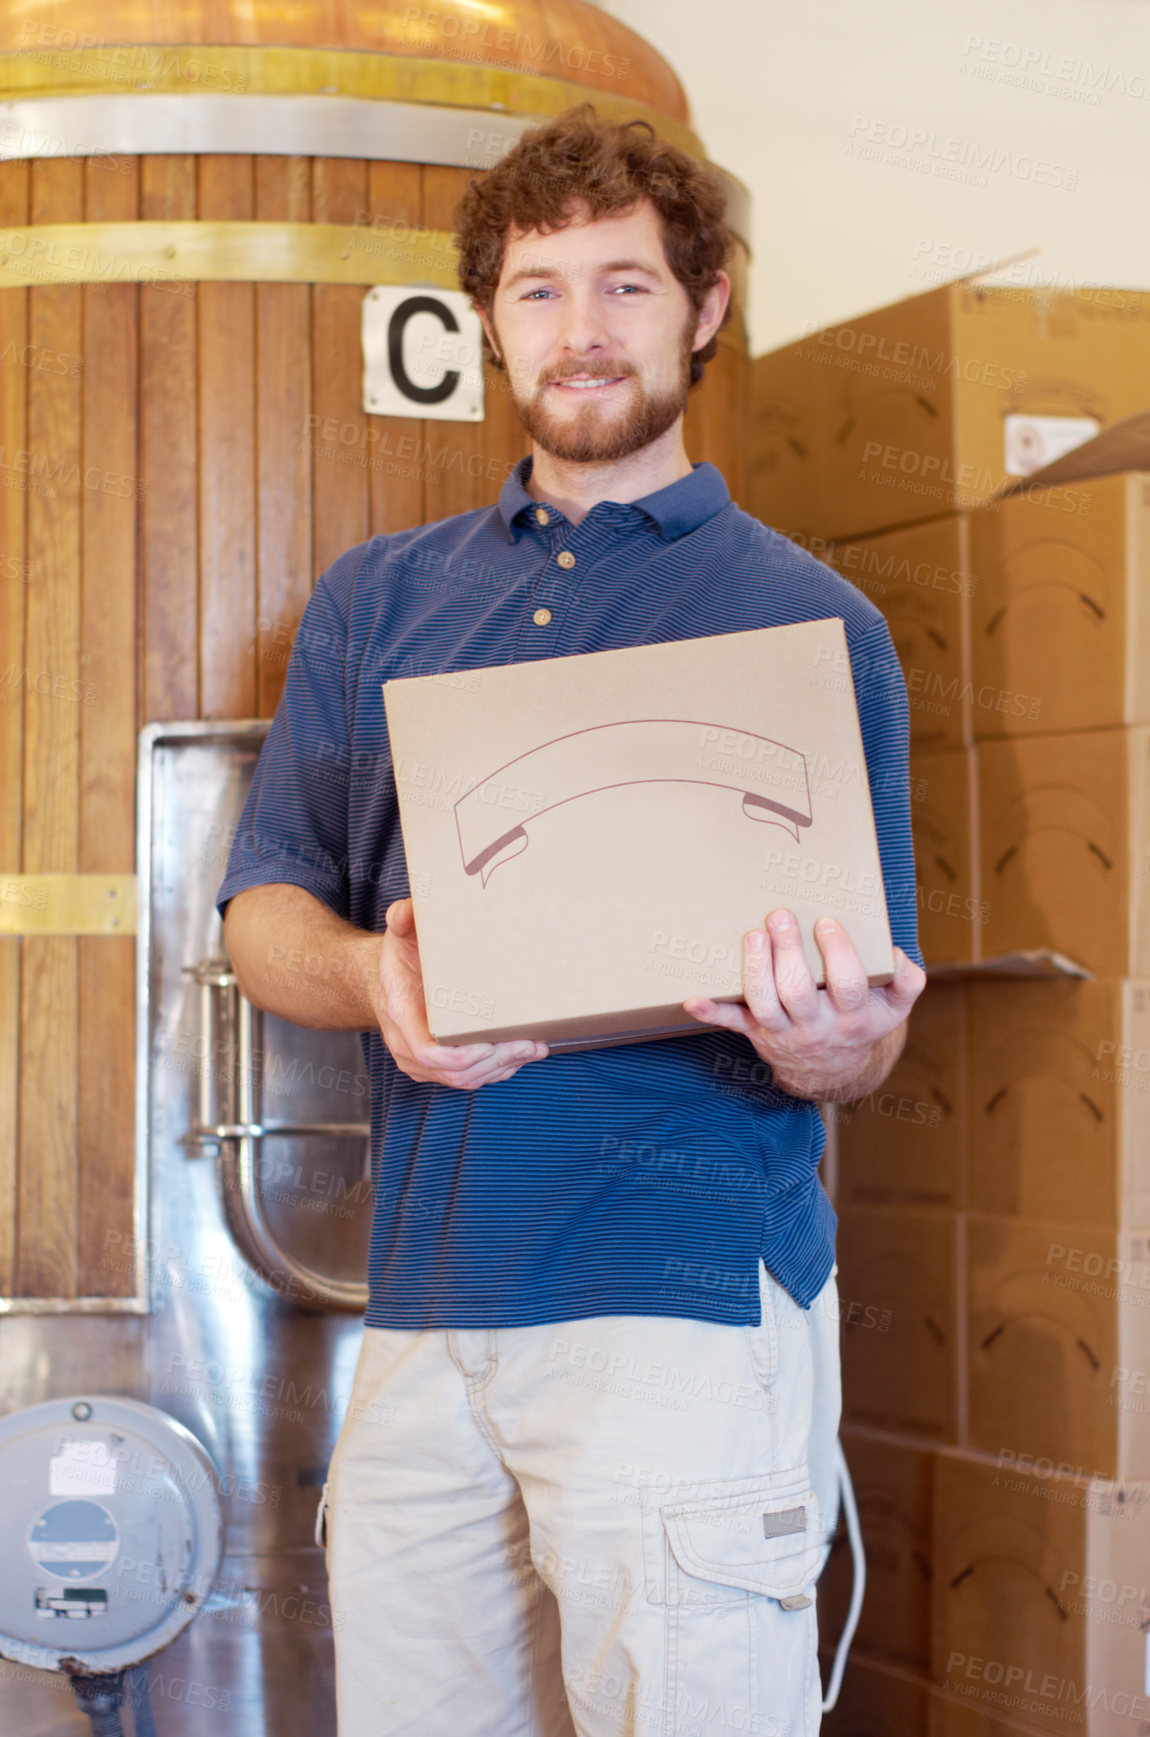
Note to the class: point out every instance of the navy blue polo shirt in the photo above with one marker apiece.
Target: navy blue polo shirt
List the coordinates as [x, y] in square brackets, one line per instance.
[643, 1178]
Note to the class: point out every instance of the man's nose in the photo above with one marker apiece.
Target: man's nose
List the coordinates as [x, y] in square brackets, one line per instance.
[583, 327]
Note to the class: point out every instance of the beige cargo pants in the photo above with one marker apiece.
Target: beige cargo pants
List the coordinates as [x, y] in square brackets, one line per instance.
[598, 1528]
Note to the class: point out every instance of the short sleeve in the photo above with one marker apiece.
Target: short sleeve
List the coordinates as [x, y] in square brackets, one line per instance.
[293, 827]
[884, 717]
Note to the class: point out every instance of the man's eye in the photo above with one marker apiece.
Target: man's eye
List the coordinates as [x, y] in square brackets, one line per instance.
[629, 286]
[536, 292]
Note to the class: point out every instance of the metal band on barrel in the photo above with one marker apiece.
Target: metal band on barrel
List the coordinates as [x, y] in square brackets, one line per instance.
[182, 252]
[139, 99]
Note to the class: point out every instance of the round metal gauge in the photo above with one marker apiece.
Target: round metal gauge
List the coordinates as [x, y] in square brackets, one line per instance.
[111, 1532]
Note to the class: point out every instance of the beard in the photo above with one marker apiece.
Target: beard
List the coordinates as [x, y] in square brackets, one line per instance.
[598, 436]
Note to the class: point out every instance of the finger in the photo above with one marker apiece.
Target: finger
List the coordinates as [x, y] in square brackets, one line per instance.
[520, 1049]
[483, 1074]
[847, 983]
[907, 985]
[501, 1074]
[453, 1058]
[728, 1014]
[400, 916]
[430, 1071]
[464, 1065]
[471, 1082]
[511, 1054]
[762, 996]
[794, 984]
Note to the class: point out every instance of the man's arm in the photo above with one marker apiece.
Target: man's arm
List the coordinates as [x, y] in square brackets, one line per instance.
[295, 958]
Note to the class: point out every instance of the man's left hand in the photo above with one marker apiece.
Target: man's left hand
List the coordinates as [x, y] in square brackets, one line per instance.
[832, 1044]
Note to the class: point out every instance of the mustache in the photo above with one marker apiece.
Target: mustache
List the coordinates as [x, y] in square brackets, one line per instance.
[622, 369]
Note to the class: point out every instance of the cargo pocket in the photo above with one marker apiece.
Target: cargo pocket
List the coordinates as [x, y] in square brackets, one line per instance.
[719, 1543]
[321, 1520]
[766, 1539]
[739, 1586]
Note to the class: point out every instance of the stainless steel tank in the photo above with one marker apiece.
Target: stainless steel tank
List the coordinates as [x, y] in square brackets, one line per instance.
[252, 1241]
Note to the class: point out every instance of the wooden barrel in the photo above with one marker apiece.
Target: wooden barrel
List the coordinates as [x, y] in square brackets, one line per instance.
[183, 449]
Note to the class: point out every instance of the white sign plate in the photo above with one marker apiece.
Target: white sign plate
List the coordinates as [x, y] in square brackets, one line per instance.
[422, 354]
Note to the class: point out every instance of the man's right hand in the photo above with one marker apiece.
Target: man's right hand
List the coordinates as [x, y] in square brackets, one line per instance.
[401, 1009]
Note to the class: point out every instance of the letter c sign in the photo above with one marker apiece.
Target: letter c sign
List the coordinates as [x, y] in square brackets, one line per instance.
[422, 354]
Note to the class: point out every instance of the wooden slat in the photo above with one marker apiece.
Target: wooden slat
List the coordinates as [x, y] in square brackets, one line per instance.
[105, 1141]
[283, 437]
[395, 196]
[456, 450]
[48, 1191]
[505, 439]
[227, 461]
[49, 1182]
[15, 578]
[10, 959]
[169, 527]
[339, 469]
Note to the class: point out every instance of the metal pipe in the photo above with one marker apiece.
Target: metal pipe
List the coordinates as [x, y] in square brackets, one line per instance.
[238, 1171]
[101, 1698]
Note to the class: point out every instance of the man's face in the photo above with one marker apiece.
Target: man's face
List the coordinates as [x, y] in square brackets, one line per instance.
[596, 334]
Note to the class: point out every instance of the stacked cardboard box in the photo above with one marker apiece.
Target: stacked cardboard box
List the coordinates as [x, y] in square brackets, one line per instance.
[932, 405]
[1064, 804]
[999, 1599]
[996, 1382]
[1024, 635]
[922, 579]
[1057, 1273]
[973, 461]
[875, 443]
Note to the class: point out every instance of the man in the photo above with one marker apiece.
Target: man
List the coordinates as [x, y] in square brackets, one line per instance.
[585, 1471]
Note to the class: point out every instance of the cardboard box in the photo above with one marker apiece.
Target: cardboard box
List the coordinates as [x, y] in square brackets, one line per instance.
[898, 1289]
[1025, 617]
[588, 838]
[952, 915]
[892, 1485]
[1064, 846]
[875, 1702]
[921, 579]
[1041, 1597]
[905, 1145]
[1058, 1350]
[1061, 621]
[1059, 1105]
[931, 405]
[783, 432]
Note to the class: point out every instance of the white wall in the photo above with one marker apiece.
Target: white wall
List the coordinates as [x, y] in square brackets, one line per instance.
[1022, 123]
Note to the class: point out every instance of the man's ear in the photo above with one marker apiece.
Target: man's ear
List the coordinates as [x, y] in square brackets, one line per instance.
[490, 331]
[714, 310]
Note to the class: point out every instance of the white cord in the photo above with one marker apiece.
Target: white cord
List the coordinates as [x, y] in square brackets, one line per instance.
[858, 1557]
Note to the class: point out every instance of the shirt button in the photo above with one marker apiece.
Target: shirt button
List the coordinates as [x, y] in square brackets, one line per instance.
[542, 517]
[565, 558]
[541, 617]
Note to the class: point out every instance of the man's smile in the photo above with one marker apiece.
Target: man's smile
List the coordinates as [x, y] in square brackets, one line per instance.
[588, 382]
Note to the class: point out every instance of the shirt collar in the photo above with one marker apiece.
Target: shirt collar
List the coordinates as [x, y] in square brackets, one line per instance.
[680, 507]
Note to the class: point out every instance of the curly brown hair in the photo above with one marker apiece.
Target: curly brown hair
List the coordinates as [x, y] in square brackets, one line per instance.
[579, 158]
